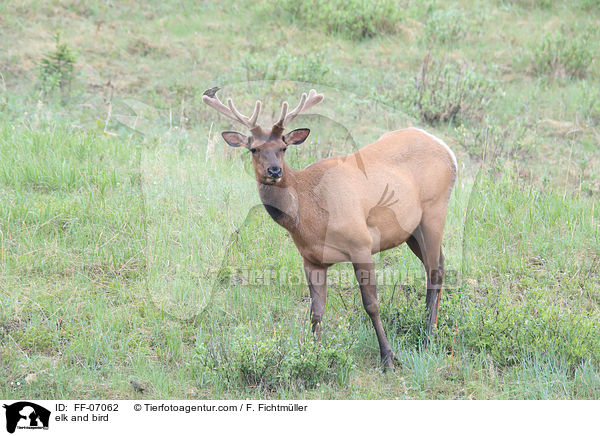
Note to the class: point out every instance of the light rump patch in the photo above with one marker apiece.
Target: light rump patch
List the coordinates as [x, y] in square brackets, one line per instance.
[442, 143]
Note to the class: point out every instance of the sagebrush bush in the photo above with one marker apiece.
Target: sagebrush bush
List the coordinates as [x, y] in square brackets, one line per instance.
[591, 106]
[37, 338]
[563, 56]
[492, 141]
[588, 5]
[407, 319]
[511, 332]
[448, 92]
[277, 362]
[57, 68]
[585, 95]
[494, 323]
[286, 66]
[446, 26]
[529, 4]
[353, 19]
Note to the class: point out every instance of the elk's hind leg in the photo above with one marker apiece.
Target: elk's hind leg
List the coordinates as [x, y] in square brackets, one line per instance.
[434, 292]
[426, 244]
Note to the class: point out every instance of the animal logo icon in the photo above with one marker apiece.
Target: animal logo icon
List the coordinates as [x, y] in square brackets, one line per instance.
[24, 414]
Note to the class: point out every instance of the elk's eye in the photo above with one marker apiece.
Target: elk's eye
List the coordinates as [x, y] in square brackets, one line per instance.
[253, 150]
[284, 149]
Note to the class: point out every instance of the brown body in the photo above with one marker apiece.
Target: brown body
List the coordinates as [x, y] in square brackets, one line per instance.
[334, 208]
[345, 209]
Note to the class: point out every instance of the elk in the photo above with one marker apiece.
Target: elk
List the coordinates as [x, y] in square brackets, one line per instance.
[345, 209]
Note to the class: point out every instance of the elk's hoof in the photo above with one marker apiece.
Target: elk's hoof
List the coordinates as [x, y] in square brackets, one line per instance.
[387, 361]
[317, 329]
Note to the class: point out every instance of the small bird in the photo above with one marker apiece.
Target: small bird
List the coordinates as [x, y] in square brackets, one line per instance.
[137, 387]
[212, 91]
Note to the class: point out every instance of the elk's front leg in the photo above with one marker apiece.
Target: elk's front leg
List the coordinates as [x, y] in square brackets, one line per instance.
[316, 276]
[365, 275]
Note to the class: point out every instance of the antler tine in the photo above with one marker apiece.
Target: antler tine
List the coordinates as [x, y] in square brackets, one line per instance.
[255, 113]
[306, 102]
[282, 115]
[243, 119]
[231, 111]
[313, 99]
[297, 109]
[216, 104]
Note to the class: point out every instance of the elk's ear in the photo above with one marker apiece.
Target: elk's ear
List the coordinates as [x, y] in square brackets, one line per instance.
[235, 139]
[296, 137]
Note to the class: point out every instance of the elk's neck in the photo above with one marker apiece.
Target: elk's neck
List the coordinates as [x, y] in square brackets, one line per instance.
[281, 199]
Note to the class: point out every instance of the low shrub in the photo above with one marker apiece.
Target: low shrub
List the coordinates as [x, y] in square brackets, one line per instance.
[529, 4]
[37, 339]
[590, 104]
[563, 56]
[493, 323]
[492, 141]
[446, 26]
[353, 19]
[286, 66]
[57, 68]
[511, 331]
[276, 362]
[448, 92]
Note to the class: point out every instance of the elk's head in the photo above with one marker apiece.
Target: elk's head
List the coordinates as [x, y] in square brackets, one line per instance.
[266, 146]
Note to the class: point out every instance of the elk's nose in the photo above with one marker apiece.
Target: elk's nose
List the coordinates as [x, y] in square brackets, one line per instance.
[274, 172]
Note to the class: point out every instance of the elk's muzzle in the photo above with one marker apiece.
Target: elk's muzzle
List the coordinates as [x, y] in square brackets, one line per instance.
[274, 172]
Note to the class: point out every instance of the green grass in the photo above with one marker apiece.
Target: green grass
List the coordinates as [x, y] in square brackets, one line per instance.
[133, 245]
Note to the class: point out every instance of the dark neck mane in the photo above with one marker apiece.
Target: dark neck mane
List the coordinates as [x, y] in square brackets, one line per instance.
[281, 200]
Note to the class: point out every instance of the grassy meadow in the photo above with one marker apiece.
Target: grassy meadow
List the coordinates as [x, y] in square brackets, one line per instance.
[133, 245]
